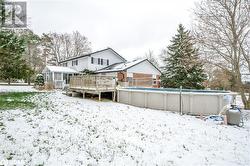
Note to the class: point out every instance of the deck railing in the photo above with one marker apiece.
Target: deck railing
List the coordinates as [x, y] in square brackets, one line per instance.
[92, 82]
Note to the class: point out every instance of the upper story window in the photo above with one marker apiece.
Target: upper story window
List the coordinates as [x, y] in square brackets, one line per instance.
[99, 61]
[75, 63]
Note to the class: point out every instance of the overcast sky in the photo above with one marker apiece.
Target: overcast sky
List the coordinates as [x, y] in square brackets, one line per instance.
[131, 27]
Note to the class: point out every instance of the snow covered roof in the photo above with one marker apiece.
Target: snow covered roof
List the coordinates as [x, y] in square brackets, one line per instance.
[59, 69]
[122, 66]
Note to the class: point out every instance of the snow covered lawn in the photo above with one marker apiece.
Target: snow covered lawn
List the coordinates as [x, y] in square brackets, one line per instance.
[64, 130]
[6, 88]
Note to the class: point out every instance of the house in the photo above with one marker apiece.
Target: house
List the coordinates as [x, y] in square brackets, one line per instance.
[139, 73]
[93, 61]
[58, 75]
[107, 62]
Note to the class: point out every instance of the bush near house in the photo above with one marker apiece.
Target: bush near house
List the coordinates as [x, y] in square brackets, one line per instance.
[39, 80]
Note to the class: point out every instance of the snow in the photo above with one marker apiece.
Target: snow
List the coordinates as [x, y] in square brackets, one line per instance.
[59, 69]
[120, 66]
[5, 88]
[66, 130]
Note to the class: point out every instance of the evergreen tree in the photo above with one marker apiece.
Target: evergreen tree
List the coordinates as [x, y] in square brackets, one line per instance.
[182, 64]
[32, 54]
[12, 65]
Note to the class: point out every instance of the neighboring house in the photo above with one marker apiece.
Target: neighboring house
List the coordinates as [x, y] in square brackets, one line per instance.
[57, 75]
[93, 61]
[137, 73]
[107, 62]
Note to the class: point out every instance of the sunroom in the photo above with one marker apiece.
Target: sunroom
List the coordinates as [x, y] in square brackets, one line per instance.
[59, 76]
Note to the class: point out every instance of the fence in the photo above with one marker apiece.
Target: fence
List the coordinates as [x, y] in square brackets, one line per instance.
[195, 103]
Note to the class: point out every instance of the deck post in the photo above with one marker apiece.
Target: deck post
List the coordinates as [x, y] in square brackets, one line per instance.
[118, 97]
[99, 96]
[83, 95]
[114, 94]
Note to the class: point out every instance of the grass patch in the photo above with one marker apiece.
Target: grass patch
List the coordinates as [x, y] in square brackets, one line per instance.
[14, 100]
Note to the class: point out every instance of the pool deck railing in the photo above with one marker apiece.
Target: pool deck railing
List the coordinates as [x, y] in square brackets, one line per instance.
[92, 84]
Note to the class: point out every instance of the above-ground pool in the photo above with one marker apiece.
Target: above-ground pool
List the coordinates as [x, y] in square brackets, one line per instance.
[195, 102]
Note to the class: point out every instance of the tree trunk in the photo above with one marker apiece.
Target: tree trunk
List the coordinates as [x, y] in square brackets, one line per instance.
[243, 92]
[247, 105]
[239, 87]
[28, 80]
[245, 101]
[8, 81]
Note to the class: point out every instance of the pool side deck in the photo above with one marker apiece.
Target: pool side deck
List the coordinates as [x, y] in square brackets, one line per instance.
[92, 84]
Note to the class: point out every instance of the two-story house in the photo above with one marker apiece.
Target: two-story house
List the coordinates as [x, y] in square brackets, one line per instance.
[105, 62]
[93, 61]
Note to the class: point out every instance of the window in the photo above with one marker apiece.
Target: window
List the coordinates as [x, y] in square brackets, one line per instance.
[75, 63]
[57, 76]
[65, 64]
[99, 61]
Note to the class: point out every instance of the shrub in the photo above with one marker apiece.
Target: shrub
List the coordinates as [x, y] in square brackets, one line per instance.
[39, 80]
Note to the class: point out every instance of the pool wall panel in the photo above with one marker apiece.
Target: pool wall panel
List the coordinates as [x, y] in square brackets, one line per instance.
[137, 99]
[155, 101]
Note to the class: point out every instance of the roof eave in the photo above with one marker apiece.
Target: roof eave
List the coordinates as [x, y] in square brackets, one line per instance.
[94, 53]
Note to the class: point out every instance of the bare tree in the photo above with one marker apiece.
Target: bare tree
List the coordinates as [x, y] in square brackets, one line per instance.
[64, 46]
[47, 50]
[150, 56]
[81, 44]
[222, 30]
[68, 45]
[57, 46]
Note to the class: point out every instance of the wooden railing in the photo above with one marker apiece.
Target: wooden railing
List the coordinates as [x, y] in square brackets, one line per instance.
[92, 82]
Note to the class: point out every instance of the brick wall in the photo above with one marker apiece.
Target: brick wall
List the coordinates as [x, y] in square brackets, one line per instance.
[158, 83]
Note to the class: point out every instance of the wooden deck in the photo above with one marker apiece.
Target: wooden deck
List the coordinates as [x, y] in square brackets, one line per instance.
[92, 84]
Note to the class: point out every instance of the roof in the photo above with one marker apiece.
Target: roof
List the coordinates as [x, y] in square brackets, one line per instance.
[95, 53]
[123, 66]
[60, 69]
